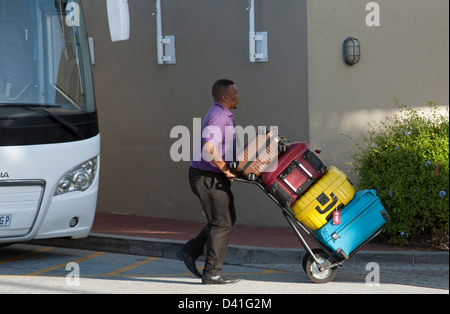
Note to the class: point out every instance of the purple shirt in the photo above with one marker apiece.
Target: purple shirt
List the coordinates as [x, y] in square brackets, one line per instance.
[217, 128]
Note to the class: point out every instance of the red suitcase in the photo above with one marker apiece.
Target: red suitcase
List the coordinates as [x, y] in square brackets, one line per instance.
[298, 168]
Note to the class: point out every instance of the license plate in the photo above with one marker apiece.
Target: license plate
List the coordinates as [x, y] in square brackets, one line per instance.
[5, 220]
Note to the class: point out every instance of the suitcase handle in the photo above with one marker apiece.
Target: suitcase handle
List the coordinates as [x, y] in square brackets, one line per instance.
[329, 207]
[289, 169]
[385, 215]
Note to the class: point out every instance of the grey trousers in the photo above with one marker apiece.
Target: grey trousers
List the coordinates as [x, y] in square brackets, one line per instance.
[216, 198]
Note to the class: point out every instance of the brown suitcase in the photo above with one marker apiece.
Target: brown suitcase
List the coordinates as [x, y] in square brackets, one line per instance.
[258, 154]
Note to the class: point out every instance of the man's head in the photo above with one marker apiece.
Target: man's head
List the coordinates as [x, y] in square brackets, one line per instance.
[225, 92]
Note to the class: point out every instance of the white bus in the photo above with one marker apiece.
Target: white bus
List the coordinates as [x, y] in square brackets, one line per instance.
[49, 133]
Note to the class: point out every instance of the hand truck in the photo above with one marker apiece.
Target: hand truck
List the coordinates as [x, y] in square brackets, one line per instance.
[320, 264]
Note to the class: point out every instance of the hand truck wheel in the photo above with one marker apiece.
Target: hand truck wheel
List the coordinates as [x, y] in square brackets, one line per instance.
[307, 255]
[312, 269]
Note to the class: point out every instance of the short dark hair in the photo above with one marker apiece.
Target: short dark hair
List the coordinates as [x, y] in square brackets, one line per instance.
[220, 87]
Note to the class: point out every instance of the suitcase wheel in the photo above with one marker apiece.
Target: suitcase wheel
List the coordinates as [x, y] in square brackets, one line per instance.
[234, 165]
[282, 147]
[313, 270]
[308, 155]
[323, 169]
[252, 176]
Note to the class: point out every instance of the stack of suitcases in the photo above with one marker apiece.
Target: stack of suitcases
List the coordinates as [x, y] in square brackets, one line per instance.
[322, 198]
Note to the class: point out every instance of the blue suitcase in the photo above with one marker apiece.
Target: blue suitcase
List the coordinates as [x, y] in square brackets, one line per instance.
[360, 220]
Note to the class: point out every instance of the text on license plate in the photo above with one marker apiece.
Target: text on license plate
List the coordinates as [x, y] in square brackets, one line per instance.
[5, 220]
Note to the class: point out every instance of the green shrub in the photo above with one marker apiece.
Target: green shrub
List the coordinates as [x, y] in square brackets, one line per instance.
[405, 160]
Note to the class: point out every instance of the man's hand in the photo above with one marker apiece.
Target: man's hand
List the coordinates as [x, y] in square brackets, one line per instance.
[230, 174]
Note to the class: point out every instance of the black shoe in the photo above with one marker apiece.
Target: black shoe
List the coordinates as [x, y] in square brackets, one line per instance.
[217, 280]
[189, 262]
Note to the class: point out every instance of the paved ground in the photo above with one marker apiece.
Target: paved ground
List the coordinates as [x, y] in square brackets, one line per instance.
[267, 259]
[248, 244]
[43, 269]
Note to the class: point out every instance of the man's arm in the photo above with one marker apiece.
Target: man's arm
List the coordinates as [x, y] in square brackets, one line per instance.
[217, 159]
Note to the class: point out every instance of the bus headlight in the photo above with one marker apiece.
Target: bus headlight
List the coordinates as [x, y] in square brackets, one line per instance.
[79, 178]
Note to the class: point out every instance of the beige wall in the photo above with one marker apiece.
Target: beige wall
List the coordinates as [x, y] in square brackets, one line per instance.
[305, 88]
[406, 57]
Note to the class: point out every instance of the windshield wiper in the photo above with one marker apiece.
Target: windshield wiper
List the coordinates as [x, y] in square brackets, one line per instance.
[42, 108]
[25, 105]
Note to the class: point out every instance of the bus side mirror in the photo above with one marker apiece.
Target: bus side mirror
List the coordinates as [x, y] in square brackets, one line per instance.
[119, 19]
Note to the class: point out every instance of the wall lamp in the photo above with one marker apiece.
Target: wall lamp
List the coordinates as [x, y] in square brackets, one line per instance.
[352, 51]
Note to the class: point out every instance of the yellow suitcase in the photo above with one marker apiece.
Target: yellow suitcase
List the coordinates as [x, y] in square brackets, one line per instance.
[316, 206]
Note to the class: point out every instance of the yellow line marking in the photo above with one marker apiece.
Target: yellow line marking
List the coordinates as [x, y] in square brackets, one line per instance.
[14, 258]
[272, 271]
[39, 272]
[129, 267]
[263, 272]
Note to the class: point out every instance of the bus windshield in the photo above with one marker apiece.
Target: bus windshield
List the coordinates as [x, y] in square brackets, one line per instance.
[44, 58]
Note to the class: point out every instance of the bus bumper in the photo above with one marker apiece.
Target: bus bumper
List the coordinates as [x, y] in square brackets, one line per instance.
[70, 215]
